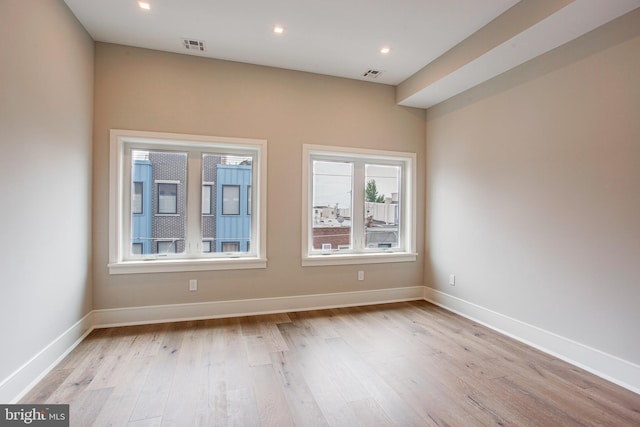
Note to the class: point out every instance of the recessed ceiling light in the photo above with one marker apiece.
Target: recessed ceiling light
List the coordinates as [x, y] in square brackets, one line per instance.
[385, 50]
[144, 5]
[278, 29]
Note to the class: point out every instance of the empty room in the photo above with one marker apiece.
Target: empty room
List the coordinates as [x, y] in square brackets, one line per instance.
[320, 213]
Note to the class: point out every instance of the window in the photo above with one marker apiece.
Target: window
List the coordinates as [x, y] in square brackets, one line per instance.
[358, 206]
[249, 200]
[230, 200]
[165, 247]
[173, 226]
[136, 202]
[231, 247]
[207, 192]
[167, 198]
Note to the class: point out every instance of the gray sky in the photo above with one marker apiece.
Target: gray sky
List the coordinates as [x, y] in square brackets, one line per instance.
[332, 181]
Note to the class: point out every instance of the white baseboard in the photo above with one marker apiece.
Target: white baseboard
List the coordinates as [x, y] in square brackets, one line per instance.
[607, 366]
[16, 385]
[246, 307]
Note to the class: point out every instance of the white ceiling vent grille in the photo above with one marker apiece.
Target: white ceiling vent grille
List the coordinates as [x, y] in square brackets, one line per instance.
[372, 74]
[191, 44]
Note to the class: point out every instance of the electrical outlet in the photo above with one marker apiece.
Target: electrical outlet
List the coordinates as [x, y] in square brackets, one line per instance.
[360, 275]
[193, 285]
[452, 279]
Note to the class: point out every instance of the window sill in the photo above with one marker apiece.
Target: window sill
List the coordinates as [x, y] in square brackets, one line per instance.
[346, 259]
[178, 265]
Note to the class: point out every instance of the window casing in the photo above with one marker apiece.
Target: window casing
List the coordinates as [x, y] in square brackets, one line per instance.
[359, 206]
[188, 201]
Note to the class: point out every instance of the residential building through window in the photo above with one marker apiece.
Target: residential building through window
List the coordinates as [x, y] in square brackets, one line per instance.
[188, 199]
[359, 206]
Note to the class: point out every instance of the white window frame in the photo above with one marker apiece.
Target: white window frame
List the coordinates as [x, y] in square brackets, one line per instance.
[121, 144]
[360, 255]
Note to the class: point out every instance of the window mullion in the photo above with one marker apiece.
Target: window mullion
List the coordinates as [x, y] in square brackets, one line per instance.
[357, 217]
[194, 203]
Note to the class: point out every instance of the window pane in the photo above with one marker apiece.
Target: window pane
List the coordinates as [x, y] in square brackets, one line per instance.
[231, 247]
[141, 203]
[230, 176]
[167, 198]
[230, 200]
[249, 200]
[164, 174]
[166, 247]
[382, 206]
[136, 202]
[332, 205]
[206, 199]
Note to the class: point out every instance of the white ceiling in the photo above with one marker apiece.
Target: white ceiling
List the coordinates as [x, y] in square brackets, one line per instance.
[335, 37]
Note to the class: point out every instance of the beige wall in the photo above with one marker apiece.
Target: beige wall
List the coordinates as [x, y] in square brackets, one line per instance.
[46, 101]
[534, 192]
[154, 91]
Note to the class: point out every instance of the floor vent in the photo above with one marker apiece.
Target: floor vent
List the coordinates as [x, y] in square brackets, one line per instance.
[191, 44]
[372, 74]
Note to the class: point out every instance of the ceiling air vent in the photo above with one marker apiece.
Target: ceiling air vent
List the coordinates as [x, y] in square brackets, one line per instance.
[191, 44]
[372, 74]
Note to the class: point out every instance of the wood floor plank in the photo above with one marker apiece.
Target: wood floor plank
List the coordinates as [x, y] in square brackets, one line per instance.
[398, 364]
[287, 366]
[332, 367]
[369, 413]
[43, 391]
[152, 398]
[212, 409]
[120, 404]
[397, 409]
[241, 408]
[311, 357]
[189, 380]
[89, 404]
[270, 399]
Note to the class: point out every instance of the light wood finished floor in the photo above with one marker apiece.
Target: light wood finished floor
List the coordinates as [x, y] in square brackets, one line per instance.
[404, 364]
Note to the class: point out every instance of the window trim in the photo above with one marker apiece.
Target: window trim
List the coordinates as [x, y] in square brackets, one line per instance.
[409, 181]
[119, 206]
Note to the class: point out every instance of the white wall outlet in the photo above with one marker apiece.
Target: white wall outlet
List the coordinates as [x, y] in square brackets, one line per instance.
[360, 275]
[452, 279]
[193, 285]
